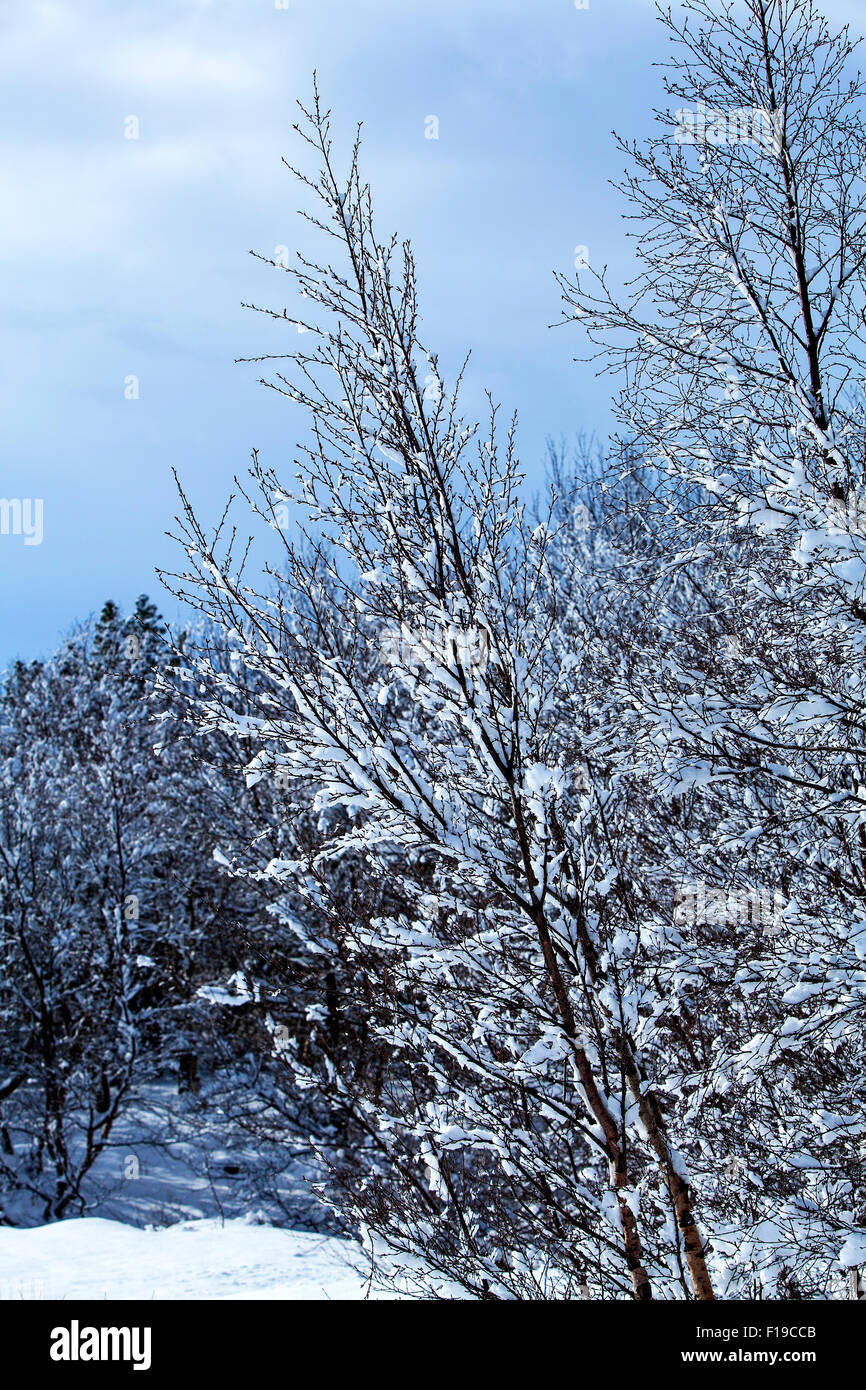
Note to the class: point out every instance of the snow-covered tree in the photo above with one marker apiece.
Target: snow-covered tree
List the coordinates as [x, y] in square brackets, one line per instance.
[573, 800]
[411, 672]
[741, 348]
[69, 1043]
[112, 908]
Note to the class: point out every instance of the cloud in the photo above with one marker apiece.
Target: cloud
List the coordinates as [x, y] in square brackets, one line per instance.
[167, 63]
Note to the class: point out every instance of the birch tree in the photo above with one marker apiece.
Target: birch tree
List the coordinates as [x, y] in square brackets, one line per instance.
[740, 348]
[510, 997]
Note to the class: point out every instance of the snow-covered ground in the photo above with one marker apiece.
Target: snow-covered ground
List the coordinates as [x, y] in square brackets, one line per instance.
[177, 1215]
[93, 1258]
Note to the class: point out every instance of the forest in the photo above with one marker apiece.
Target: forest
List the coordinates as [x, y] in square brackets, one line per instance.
[489, 867]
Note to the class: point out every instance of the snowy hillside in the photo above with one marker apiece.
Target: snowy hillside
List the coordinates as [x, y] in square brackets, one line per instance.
[97, 1259]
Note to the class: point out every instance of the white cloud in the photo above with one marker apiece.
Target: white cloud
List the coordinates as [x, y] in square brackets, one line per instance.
[166, 62]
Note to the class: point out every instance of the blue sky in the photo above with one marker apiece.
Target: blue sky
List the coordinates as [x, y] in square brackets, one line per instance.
[128, 257]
